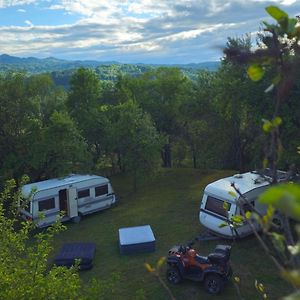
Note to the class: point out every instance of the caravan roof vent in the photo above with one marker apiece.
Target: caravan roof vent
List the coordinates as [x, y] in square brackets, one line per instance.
[259, 180]
[238, 176]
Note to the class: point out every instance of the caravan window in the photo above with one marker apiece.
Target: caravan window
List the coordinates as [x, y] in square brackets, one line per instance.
[101, 190]
[83, 193]
[216, 206]
[46, 204]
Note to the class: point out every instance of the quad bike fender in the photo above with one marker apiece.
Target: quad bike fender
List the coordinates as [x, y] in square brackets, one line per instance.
[176, 262]
[214, 270]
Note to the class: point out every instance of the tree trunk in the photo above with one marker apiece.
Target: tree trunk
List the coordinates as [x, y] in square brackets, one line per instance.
[166, 156]
[120, 162]
[194, 159]
[135, 180]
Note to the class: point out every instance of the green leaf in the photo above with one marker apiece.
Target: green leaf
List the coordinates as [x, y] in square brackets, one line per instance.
[237, 219]
[270, 211]
[277, 121]
[270, 27]
[149, 268]
[261, 287]
[293, 277]
[233, 194]
[248, 215]
[285, 197]
[278, 241]
[223, 225]
[265, 163]
[294, 250]
[226, 205]
[237, 279]
[160, 262]
[276, 13]
[294, 296]
[267, 126]
[276, 80]
[292, 27]
[255, 72]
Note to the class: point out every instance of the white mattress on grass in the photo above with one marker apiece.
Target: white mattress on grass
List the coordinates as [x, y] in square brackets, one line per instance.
[136, 235]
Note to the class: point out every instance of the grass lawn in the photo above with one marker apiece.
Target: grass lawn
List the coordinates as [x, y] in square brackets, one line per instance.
[170, 204]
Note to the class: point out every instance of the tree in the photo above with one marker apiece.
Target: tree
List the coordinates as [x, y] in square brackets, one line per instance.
[280, 54]
[236, 100]
[47, 97]
[85, 108]
[135, 141]
[19, 119]
[161, 93]
[204, 124]
[61, 149]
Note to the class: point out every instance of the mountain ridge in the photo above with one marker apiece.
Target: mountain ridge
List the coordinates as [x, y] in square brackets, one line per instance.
[62, 70]
[7, 59]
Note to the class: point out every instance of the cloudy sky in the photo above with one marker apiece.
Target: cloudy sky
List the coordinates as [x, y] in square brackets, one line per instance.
[148, 31]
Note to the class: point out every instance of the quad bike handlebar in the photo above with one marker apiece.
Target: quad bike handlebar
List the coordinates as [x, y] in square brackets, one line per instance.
[185, 248]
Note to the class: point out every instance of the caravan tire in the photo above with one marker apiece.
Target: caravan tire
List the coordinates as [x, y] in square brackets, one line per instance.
[76, 219]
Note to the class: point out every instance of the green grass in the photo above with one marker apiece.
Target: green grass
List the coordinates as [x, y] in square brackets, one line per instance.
[170, 204]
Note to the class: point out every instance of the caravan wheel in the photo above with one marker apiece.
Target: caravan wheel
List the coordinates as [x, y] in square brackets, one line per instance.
[76, 219]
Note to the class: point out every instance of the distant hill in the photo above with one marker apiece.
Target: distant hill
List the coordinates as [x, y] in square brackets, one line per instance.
[61, 70]
[37, 65]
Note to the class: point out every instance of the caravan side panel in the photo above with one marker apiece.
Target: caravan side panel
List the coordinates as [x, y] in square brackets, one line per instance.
[45, 207]
[253, 195]
[211, 215]
[94, 195]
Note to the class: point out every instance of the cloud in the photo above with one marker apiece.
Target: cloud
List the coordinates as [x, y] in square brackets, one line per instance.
[140, 30]
[21, 10]
[8, 3]
[56, 7]
[288, 2]
[28, 23]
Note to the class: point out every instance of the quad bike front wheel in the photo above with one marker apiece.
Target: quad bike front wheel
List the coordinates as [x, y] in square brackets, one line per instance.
[213, 284]
[173, 275]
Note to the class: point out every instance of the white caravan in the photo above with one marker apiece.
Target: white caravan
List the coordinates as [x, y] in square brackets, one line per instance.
[74, 195]
[212, 211]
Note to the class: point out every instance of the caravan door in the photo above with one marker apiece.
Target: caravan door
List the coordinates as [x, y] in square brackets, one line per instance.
[63, 199]
[72, 202]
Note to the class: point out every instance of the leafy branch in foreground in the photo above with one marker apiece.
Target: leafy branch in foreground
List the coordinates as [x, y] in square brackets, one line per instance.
[279, 55]
[25, 272]
[156, 272]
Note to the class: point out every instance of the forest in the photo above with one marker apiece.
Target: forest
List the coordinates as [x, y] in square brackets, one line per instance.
[137, 123]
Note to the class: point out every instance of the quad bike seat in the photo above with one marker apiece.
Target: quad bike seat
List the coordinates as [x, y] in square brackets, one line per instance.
[202, 259]
[221, 254]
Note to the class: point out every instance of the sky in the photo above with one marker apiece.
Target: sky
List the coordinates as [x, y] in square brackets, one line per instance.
[130, 31]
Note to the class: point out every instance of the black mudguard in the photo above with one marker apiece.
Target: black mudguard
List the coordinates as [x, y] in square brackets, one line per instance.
[176, 262]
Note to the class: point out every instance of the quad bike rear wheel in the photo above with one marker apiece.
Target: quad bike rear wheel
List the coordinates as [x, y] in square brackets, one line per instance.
[213, 284]
[173, 275]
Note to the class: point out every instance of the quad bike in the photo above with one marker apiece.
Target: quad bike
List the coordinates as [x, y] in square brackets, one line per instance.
[214, 270]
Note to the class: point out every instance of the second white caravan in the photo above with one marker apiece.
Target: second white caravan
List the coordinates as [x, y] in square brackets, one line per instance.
[74, 196]
[212, 211]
